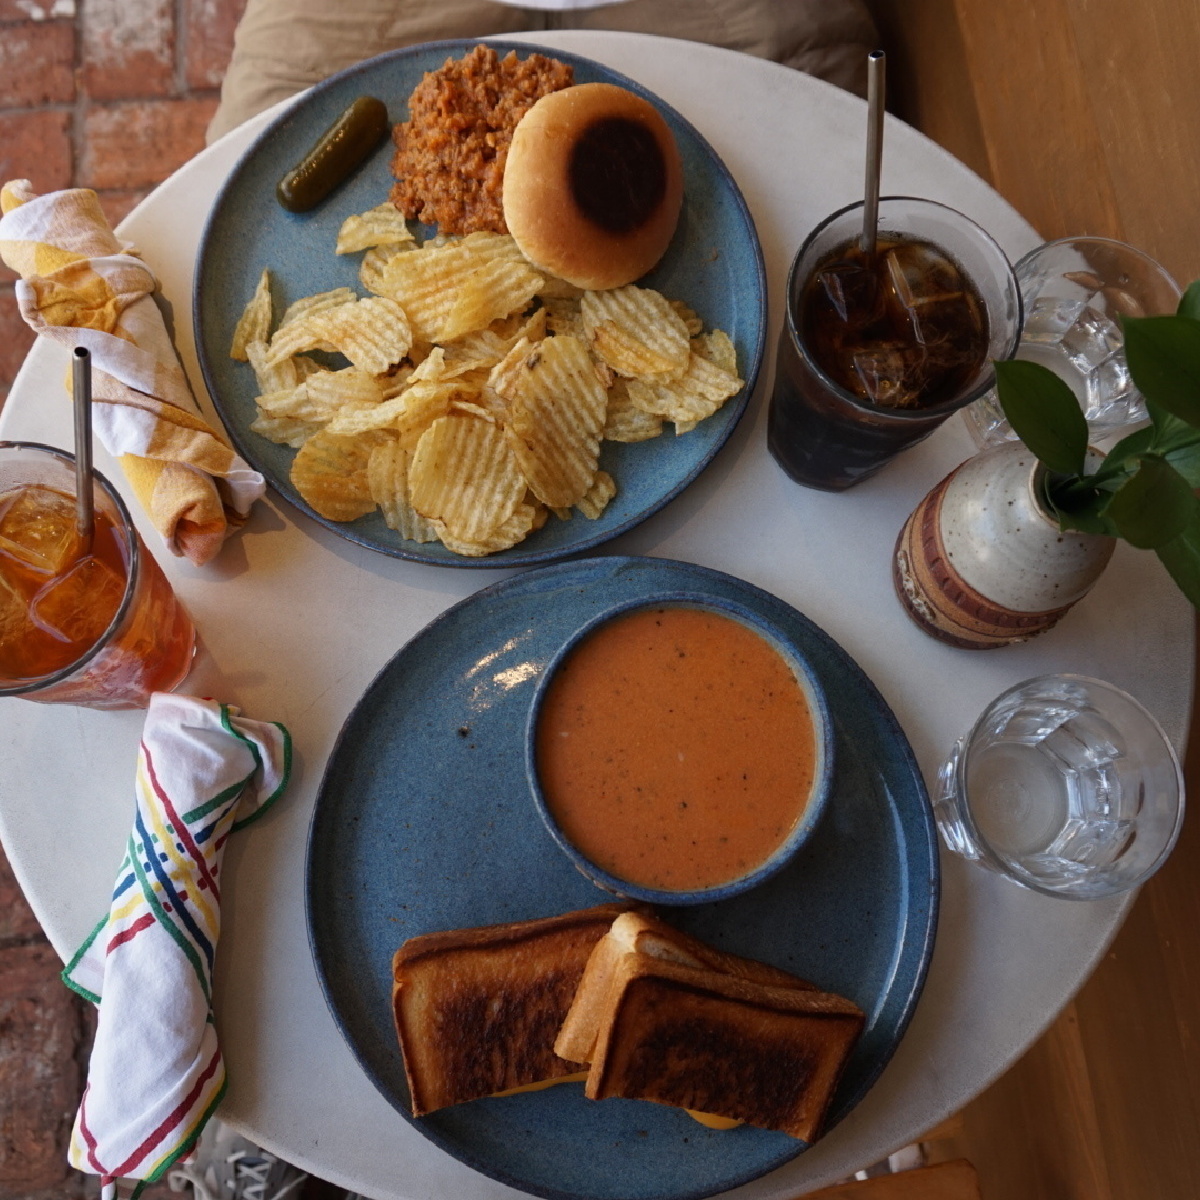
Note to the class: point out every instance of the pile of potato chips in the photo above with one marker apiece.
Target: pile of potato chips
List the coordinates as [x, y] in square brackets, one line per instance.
[478, 388]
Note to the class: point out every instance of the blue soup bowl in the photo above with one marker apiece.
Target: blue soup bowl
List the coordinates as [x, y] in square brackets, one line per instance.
[823, 741]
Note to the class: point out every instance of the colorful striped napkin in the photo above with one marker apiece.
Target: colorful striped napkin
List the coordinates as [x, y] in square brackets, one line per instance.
[156, 1072]
[82, 286]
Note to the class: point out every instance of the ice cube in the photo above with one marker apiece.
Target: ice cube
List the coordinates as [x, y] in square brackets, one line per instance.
[78, 606]
[853, 291]
[892, 375]
[37, 526]
[14, 614]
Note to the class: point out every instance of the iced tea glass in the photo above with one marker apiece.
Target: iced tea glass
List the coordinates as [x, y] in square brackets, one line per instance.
[99, 630]
[1066, 785]
[826, 436]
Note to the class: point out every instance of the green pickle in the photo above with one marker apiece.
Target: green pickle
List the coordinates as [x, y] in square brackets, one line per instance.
[341, 150]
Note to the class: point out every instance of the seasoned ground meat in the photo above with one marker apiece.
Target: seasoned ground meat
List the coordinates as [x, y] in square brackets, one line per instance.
[449, 160]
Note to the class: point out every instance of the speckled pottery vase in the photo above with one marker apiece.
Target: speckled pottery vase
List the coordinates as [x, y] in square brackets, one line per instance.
[980, 563]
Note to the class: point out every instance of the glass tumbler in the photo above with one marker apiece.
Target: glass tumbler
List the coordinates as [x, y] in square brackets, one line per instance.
[1066, 785]
[1075, 292]
[905, 338]
[98, 627]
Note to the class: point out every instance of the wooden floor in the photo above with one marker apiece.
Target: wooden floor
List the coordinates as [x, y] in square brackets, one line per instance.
[1085, 115]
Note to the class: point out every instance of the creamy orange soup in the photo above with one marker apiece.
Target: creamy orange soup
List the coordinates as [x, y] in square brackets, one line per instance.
[675, 748]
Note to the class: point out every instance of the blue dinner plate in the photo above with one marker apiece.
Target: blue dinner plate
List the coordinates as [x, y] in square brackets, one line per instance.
[714, 264]
[424, 822]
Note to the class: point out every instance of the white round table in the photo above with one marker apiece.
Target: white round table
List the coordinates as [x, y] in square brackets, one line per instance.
[295, 622]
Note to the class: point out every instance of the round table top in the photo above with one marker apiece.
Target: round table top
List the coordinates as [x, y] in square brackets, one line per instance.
[295, 622]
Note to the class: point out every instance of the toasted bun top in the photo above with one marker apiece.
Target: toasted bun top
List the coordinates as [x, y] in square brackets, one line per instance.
[593, 185]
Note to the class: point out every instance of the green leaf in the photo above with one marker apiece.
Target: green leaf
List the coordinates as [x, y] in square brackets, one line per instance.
[1181, 557]
[1177, 442]
[1121, 460]
[1044, 414]
[1189, 302]
[1163, 354]
[1153, 506]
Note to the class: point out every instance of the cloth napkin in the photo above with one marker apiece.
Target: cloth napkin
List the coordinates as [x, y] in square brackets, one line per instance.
[81, 286]
[156, 1072]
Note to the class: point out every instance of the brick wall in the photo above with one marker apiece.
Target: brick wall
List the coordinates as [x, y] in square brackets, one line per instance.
[107, 94]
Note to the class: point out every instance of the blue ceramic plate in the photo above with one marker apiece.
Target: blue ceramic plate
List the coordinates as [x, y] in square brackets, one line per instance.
[714, 264]
[424, 822]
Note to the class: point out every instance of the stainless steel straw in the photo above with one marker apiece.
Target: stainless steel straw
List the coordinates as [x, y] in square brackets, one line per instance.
[81, 377]
[876, 95]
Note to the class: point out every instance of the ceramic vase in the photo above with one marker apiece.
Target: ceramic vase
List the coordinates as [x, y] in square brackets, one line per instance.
[981, 563]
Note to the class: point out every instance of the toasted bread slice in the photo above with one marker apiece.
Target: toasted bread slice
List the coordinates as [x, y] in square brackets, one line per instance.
[712, 1042]
[645, 934]
[477, 1010]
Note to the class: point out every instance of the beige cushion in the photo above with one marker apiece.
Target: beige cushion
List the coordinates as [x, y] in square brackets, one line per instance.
[284, 46]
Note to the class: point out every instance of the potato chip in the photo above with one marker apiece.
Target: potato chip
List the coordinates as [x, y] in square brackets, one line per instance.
[379, 226]
[373, 334]
[517, 528]
[327, 391]
[637, 332]
[374, 263]
[718, 348]
[564, 316]
[691, 321]
[286, 431]
[317, 302]
[424, 403]
[555, 416]
[460, 287]
[624, 421]
[697, 395]
[387, 477]
[254, 325]
[272, 377]
[360, 418]
[464, 475]
[603, 489]
[330, 473]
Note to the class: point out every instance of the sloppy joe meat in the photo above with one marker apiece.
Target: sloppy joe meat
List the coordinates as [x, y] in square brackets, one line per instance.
[450, 153]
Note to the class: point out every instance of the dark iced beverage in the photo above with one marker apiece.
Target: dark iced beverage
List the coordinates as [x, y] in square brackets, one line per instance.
[879, 348]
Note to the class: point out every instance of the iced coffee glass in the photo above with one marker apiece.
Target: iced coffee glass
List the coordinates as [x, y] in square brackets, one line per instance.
[878, 350]
[100, 629]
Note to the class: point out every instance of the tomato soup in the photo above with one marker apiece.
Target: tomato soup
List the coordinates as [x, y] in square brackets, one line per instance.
[675, 748]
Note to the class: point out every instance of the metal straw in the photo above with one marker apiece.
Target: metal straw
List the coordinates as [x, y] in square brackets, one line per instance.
[81, 377]
[876, 94]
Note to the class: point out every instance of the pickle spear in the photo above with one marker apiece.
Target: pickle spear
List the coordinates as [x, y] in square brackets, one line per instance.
[341, 149]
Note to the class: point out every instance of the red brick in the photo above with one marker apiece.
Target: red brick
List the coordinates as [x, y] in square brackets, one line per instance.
[118, 205]
[132, 146]
[15, 337]
[36, 146]
[37, 64]
[128, 48]
[208, 39]
[40, 1084]
[16, 917]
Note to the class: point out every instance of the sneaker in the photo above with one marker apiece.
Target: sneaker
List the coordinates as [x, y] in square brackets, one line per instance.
[226, 1166]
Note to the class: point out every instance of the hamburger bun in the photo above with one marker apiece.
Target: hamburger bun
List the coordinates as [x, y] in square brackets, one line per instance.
[593, 185]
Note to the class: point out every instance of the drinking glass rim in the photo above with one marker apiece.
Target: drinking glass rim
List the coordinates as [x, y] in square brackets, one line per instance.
[132, 574]
[1003, 866]
[901, 414]
[1096, 240]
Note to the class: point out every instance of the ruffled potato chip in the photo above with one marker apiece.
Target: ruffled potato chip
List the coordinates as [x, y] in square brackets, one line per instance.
[637, 332]
[702, 389]
[387, 477]
[254, 325]
[624, 421]
[317, 302]
[379, 226]
[330, 473]
[556, 410]
[464, 475]
[524, 520]
[595, 501]
[373, 334]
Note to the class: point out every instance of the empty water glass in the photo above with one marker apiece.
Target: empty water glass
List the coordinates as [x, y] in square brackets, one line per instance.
[1074, 292]
[1066, 785]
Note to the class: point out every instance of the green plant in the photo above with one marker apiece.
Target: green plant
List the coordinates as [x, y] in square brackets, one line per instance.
[1145, 489]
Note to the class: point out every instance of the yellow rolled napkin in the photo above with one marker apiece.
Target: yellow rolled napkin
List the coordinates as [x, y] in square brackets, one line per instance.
[81, 286]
